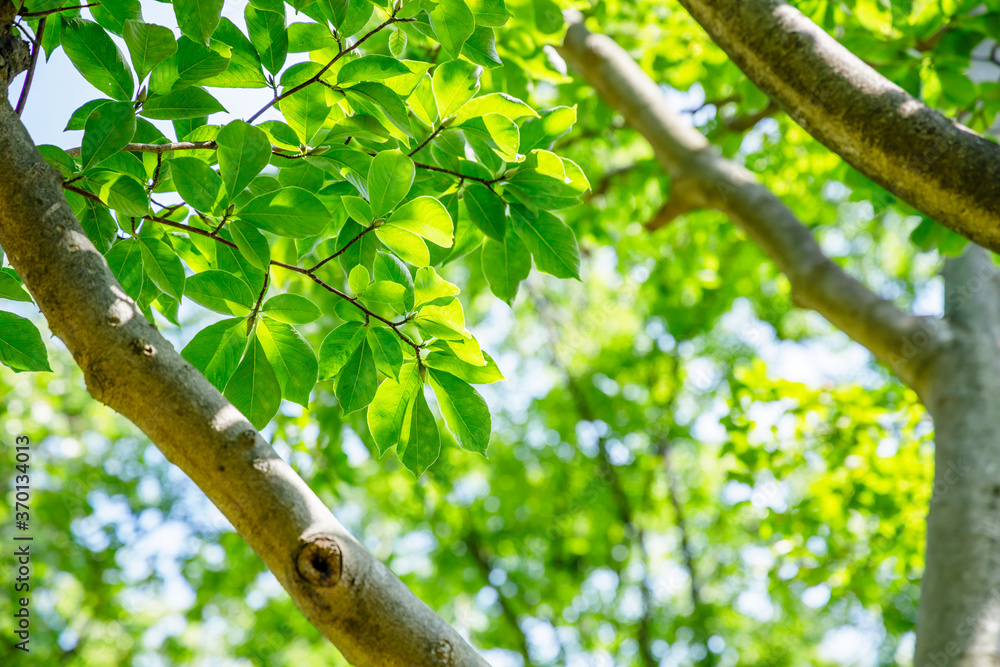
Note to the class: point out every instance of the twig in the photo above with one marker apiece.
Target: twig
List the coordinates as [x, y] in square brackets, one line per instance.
[47, 12]
[428, 140]
[306, 272]
[30, 75]
[316, 77]
[342, 250]
[83, 193]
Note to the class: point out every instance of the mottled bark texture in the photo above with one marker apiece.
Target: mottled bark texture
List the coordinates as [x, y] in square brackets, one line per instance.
[939, 166]
[368, 613]
[952, 362]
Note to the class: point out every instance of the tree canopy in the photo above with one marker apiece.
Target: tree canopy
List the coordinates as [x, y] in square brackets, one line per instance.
[577, 410]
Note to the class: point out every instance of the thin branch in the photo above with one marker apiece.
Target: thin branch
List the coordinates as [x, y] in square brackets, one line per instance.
[482, 561]
[428, 140]
[83, 193]
[30, 75]
[817, 282]
[344, 249]
[47, 12]
[395, 326]
[316, 77]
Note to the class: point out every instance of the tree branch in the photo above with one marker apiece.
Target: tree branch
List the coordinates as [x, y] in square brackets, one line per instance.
[940, 167]
[817, 282]
[345, 591]
[30, 75]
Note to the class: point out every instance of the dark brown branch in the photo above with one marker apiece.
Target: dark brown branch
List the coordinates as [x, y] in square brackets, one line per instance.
[47, 12]
[30, 75]
[316, 77]
[83, 193]
[428, 140]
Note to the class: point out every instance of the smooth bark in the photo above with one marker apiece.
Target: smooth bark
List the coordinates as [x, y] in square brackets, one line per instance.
[939, 166]
[953, 362]
[701, 178]
[355, 600]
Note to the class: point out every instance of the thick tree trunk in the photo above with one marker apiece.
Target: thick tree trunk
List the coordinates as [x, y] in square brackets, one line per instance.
[959, 624]
[942, 168]
[368, 613]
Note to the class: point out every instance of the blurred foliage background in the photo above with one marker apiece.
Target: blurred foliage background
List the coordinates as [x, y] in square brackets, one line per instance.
[685, 469]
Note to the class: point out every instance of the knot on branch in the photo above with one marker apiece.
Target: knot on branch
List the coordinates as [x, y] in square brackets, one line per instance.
[443, 652]
[319, 561]
[141, 346]
[247, 438]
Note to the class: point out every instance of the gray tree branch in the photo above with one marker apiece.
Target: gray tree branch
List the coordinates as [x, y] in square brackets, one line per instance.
[355, 600]
[939, 166]
[702, 178]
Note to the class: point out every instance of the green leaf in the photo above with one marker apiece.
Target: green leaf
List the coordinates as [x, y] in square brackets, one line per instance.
[497, 132]
[192, 102]
[419, 442]
[291, 357]
[198, 184]
[410, 247]
[357, 380]
[387, 349]
[486, 210]
[387, 292]
[358, 209]
[244, 70]
[430, 288]
[443, 358]
[382, 102]
[388, 268]
[541, 132]
[96, 57]
[109, 128]
[244, 151]
[397, 43]
[220, 291]
[358, 280]
[422, 101]
[21, 346]
[268, 36]
[10, 288]
[446, 322]
[290, 212]
[390, 405]
[216, 350]
[192, 64]
[113, 14]
[551, 242]
[371, 68]
[148, 45]
[254, 388]
[389, 179]
[78, 120]
[505, 265]
[251, 244]
[163, 266]
[455, 83]
[453, 23]
[125, 261]
[337, 348]
[489, 13]
[481, 48]
[464, 411]
[122, 192]
[501, 103]
[291, 308]
[305, 37]
[548, 16]
[198, 19]
[306, 111]
[425, 217]
[361, 251]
